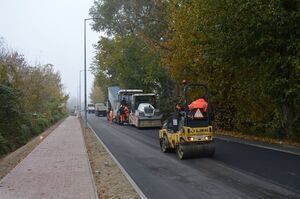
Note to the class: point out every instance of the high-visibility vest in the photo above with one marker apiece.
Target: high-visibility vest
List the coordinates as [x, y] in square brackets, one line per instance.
[126, 111]
[111, 115]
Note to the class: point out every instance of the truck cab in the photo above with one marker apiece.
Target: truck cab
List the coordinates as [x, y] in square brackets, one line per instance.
[91, 108]
[100, 109]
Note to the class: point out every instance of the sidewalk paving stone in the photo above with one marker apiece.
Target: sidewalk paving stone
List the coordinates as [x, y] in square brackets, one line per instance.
[57, 168]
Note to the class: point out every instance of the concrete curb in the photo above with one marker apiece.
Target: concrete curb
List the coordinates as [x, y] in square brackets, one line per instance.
[90, 168]
[260, 145]
[134, 185]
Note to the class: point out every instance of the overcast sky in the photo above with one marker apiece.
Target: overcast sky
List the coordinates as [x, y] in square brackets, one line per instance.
[50, 31]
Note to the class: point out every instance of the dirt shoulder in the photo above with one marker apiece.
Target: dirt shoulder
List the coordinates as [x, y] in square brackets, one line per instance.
[10, 161]
[109, 180]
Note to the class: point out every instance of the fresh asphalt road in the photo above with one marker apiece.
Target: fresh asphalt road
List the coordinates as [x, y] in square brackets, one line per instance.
[236, 171]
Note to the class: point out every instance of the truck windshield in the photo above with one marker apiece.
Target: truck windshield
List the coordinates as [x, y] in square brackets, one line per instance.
[145, 99]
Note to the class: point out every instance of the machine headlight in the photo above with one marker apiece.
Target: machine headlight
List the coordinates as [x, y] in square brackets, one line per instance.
[207, 137]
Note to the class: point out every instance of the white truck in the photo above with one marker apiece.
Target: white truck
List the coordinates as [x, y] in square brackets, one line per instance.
[91, 108]
[115, 97]
[144, 112]
[100, 109]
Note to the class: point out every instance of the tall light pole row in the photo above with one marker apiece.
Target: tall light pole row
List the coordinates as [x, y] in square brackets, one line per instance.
[79, 91]
[85, 96]
[79, 95]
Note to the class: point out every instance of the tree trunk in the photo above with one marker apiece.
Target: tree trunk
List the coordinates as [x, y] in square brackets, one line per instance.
[288, 118]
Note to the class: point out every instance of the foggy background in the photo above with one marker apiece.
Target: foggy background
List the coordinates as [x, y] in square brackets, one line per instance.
[51, 31]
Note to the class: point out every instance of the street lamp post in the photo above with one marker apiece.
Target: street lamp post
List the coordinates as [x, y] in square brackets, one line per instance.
[85, 97]
[79, 97]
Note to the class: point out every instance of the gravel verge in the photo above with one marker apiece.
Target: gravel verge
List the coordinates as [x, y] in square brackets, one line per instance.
[109, 180]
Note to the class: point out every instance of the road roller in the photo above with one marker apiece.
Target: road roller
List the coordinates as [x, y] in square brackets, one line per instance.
[189, 131]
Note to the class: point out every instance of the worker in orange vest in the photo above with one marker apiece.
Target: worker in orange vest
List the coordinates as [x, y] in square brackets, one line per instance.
[123, 113]
[126, 111]
[111, 115]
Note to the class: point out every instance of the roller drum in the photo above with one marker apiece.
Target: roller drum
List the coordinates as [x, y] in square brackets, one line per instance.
[196, 150]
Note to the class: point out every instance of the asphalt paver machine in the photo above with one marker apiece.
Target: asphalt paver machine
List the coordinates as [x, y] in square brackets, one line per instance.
[144, 111]
[189, 132]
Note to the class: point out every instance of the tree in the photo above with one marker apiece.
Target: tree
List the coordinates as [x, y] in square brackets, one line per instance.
[247, 52]
[31, 99]
[133, 17]
[10, 110]
[131, 53]
[97, 94]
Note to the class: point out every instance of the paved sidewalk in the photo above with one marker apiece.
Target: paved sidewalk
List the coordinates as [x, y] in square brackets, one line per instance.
[56, 168]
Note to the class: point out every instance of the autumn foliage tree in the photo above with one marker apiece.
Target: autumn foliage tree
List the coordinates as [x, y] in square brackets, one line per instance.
[248, 54]
[31, 99]
[97, 94]
[130, 55]
[246, 51]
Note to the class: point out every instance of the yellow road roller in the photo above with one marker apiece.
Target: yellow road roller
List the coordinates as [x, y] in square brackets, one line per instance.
[189, 132]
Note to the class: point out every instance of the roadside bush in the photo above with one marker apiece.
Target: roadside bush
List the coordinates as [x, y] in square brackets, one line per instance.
[23, 135]
[39, 124]
[28, 97]
[4, 148]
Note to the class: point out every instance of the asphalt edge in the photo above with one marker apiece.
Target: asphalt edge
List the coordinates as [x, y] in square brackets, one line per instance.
[228, 139]
[87, 159]
[133, 184]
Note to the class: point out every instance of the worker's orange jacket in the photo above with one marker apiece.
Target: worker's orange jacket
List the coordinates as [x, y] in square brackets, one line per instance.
[199, 103]
[126, 110]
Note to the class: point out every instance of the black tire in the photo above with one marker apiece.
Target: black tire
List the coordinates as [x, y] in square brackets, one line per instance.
[164, 144]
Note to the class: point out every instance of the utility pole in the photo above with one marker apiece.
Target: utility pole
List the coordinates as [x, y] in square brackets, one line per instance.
[79, 97]
[85, 96]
